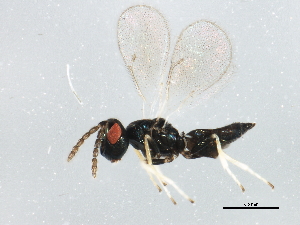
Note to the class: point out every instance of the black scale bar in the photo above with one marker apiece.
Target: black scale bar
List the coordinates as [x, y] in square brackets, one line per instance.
[250, 207]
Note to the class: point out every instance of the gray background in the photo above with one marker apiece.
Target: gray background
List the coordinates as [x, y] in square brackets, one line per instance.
[41, 120]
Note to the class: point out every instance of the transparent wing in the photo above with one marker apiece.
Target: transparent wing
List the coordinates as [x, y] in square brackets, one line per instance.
[200, 64]
[144, 43]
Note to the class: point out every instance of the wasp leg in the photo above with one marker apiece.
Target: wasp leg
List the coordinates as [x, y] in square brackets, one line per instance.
[224, 158]
[150, 168]
[156, 171]
[81, 141]
[172, 183]
[160, 177]
[147, 149]
[148, 156]
[142, 159]
[168, 158]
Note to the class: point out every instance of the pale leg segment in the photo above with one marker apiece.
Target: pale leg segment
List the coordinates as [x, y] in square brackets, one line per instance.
[157, 173]
[154, 170]
[151, 170]
[224, 158]
[142, 159]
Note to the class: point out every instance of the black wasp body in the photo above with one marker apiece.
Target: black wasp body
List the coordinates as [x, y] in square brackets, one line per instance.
[165, 142]
[200, 65]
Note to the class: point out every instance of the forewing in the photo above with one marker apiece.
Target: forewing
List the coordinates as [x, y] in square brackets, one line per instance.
[200, 64]
[144, 42]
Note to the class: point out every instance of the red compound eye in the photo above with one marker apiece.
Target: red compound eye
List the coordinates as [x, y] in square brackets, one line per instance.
[114, 134]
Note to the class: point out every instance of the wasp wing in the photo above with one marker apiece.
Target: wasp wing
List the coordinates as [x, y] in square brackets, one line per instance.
[201, 63]
[144, 43]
